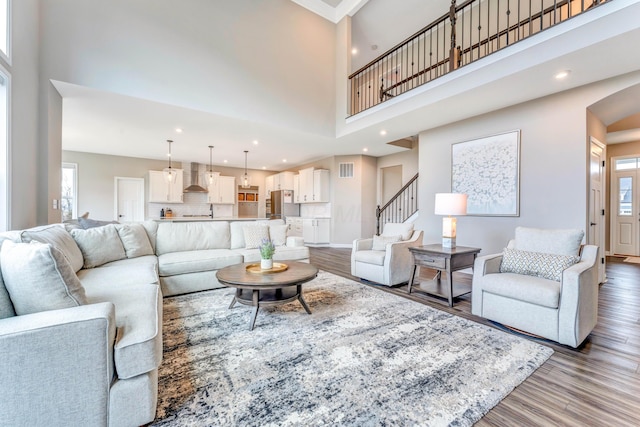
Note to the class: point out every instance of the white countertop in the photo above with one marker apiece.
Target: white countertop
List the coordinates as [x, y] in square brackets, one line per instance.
[203, 218]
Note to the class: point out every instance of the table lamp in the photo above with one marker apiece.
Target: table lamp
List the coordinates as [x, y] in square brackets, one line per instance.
[450, 204]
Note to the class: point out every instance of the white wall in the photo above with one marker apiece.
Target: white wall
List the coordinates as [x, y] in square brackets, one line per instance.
[408, 159]
[24, 150]
[269, 61]
[553, 165]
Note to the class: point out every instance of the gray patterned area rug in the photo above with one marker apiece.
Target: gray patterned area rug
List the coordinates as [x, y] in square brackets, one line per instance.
[363, 358]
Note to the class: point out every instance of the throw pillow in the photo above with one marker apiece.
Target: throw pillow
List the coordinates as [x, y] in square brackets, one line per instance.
[254, 234]
[99, 245]
[278, 234]
[547, 266]
[134, 239]
[38, 277]
[380, 242]
[58, 237]
[87, 223]
[403, 229]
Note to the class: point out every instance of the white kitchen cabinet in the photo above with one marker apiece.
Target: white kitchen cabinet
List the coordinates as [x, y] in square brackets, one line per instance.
[295, 226]
[296, 188]
[268, 185]
[283, 181]
[222, 191]
[305, 181]
[320, 186]
[313, 186]
[161, 191]
[316, 230]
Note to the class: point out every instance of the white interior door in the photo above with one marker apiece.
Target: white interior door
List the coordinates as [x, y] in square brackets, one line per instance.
[129, 199]
[595, 235]
[624, 205]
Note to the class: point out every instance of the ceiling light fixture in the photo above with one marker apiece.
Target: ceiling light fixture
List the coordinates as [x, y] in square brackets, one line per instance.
[365, 149]
[255, 142]
[210, 175]
[284, 160]
[354, 51]
[383, 132]
[170, 175]
[179, 130]
[562, 74]
[245, 177]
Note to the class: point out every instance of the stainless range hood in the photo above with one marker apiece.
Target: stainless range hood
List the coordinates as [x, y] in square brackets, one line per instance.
[194, 187]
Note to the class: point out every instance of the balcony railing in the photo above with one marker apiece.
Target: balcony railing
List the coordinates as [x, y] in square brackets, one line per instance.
[468, 32]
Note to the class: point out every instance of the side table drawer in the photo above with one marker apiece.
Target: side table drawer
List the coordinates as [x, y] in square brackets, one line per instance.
[427, 260]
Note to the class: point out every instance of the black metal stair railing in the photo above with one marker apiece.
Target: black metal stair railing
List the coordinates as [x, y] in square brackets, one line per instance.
[400, 207]
[468, 32]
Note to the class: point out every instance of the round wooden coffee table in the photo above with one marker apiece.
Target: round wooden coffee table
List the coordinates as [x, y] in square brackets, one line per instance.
[267, 288]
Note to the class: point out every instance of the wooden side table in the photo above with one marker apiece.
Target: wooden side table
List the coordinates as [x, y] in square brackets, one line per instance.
[445, 260]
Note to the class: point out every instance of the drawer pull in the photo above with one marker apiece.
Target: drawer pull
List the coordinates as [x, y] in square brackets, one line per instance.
[430, 260]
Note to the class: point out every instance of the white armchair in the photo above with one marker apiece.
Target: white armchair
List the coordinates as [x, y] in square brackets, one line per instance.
[386, 259]
[563, 306]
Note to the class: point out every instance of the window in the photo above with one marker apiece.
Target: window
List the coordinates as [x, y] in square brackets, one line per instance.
[626, 164]
[4, 150]
[625, 186]
[4, 27]
[69, 200]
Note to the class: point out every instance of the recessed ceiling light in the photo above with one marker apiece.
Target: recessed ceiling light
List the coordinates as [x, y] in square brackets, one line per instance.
[264, 167]
[365, 149]
[255, 142]
[179, 130]
[354, 51]
[284, 160]
[562, 74]
[224, 161]
[383, 132]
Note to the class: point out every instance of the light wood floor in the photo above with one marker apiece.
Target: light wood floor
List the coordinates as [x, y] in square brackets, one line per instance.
[597, 384]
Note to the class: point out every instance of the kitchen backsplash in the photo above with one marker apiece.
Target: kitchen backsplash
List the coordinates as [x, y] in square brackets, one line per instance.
[315, 210]
[193, 204]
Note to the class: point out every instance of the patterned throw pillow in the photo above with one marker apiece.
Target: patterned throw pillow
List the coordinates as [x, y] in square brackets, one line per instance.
[254, 233]
[380, 242]
[547, 266]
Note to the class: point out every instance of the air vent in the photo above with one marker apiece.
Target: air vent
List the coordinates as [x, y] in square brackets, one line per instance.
[345, 170]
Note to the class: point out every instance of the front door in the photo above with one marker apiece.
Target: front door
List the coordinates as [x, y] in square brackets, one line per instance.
[129, 199]
[624, 206]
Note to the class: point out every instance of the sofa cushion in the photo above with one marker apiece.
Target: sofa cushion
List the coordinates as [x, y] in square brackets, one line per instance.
[129, 271]
[550, 241]
[134, 239]
[151, 227]
[404, 229]
[38, 277]
[59, 237]
[547, 266]
[534, 290]
[282, 253]
[254, 234]
[192, 236]
[237, 234]
[6, 307]
[380, 242]
[99, 245]
[370, 257]
[278, 234]
[138, 307]
[184, 262]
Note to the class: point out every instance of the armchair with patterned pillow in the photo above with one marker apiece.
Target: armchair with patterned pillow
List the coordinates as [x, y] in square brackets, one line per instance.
[386, 259]
[544, 283]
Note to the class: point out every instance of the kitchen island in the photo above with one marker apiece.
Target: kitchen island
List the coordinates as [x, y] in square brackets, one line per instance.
[204, 218]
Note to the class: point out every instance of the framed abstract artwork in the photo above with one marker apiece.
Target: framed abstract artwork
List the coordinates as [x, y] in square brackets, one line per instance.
[487, 170]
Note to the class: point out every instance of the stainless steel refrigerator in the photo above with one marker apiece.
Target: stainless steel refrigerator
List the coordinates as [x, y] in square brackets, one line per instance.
[282, 205]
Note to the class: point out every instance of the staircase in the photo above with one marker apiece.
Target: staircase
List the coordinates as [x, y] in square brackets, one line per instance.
[402, 206]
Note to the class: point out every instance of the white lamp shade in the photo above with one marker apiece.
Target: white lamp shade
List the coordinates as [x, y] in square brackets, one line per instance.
[451, 204]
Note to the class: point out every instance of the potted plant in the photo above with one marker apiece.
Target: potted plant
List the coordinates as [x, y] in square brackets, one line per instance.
[267, 248]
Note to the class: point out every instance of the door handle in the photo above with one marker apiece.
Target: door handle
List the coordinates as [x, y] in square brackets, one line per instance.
[593, 223]
[120, 216]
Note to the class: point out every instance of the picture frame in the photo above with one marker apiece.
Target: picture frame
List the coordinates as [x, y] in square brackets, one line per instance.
[488, 170]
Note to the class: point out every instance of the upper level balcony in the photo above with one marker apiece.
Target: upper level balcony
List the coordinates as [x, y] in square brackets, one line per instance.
[466, 33]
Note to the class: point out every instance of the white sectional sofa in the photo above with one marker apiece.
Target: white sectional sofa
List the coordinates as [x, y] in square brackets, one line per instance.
[81, 312]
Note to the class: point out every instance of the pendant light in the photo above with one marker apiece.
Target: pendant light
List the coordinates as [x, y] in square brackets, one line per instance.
[245, 177]
[170, 174]
[210, 175]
